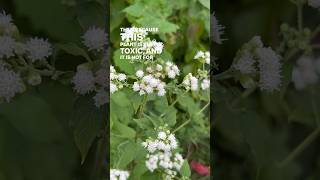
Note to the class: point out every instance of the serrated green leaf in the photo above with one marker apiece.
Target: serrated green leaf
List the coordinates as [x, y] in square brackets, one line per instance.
[74, 49]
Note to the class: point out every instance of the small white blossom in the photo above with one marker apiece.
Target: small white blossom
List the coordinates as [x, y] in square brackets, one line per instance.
[172, 70]
[270, 69]
[203, 56]
[205, 84]
[245, 64]
[38, 49]
[116, 174]
[190, 82]
[6, 25]
[10, 83]
[122, 77]
[139, 73]
[305, 73]
[95, 39]
[84, 81]
[102, 77]
[7, 45]
[113, 88]
[100, 98]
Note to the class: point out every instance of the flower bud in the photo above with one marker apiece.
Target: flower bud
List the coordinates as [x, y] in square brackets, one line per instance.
[34, 78]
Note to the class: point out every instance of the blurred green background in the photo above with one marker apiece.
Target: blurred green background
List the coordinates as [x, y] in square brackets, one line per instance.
[37, 127]
[250, 140]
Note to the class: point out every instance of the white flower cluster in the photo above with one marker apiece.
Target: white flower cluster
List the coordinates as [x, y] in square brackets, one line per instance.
[306, 72]
[148, 83]
[217, 30]
[162, 153]
[86, 81]
[10, 83]
[34, 48]
[191, 82]
[171, 70]
[254, 59]
[204, 57]
[95, 39]
[314, 3]
[38, 49]
[116, 80]
[116, 174]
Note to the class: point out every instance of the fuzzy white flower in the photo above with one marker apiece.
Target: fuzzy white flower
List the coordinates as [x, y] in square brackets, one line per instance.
[38, 49]
[102, 77]
[10, 83]
[100, 98]
[116, 174]
[270, 69]
[6, 25]
[84, 81]
[305, 73]
[245, 64]
[217, 30]
[122, 77]
[7, 45]
[139, 73]
[172, 70]
[190, 82]
[95, 39]
[314, 3]
[205, 84]
[113, 88]
[203, 56]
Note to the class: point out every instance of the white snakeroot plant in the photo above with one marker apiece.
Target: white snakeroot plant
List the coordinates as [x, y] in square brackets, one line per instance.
[95, 39]
[38, 49]
[162, 153]
[10, 83]
[116, 174]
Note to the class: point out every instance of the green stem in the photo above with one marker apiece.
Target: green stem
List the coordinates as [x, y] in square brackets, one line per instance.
[224, 75]
[172, 104]
[299, 149]
[182, 125]
[245, 94]
[204, 107]
[142, 106]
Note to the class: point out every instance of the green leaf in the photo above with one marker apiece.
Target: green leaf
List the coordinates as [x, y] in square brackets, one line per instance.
[124, 65]
[86, 123]
[123, 130]
[163, 25]
[185, 169]
[128, 154]
[121, 99]
[135, 10]
[74, 49]
[116, 15]
[48, 16]
[205, 3]
[91, 14]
